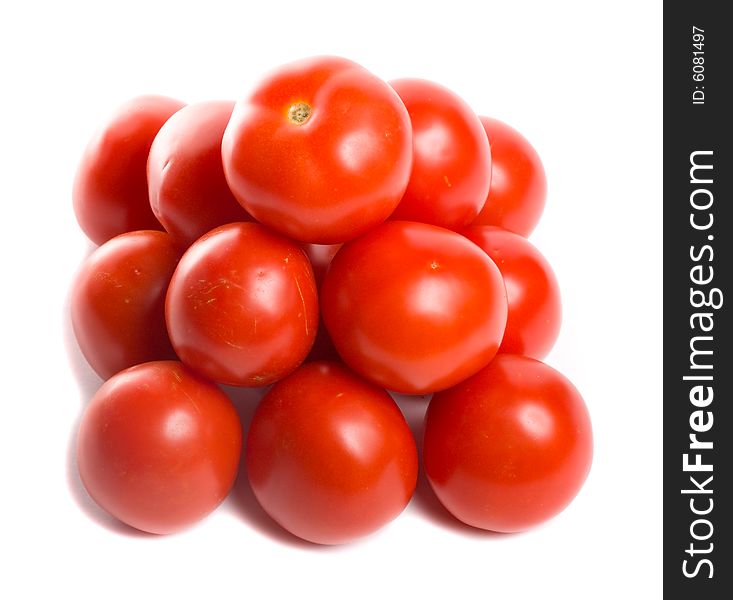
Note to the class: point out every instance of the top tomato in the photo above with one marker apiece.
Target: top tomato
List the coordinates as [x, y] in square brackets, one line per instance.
[111, 186]
[451, 169]
[320, 151]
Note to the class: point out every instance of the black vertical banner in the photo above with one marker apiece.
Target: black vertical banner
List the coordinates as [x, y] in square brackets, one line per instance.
[698, 301]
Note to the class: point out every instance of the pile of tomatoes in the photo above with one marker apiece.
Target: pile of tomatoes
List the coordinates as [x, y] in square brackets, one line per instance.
[331, 236]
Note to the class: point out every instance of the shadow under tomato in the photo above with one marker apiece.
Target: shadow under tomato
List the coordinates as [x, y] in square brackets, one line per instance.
[424, 501]
[413, 409]
[426, 504]
[90, 508]
[87, 380]
[88, 383]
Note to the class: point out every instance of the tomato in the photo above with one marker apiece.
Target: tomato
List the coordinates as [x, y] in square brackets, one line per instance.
[242, 305]
[159, 447]
[111, 189]
[413, 307]
[188, 192]
[533, 294]
[118, 300]
[518, 184]
[329, 456]
[509, 447]
[320, 151]
[451, 168]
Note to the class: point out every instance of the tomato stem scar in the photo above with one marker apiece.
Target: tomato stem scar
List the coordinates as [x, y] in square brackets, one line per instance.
[299, 113]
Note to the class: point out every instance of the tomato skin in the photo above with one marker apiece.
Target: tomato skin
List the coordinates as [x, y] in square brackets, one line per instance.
[451, 169]
[509, 447]
[332, 177]
[329, 456]
[188, 192]
[110, 192]
[413, 307]
[159, 447]
[518, 182]
[118, 300]
[242, 305]
[533, 294]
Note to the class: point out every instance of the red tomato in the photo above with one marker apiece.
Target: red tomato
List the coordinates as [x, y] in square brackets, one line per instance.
[413, 307]
[329, 456]
[118, 300]
[509, 447]
[451, 168]
[159, 447]
[242, 306]
[188, 192]
[320, 151]
[111, 189]
[535, 311]
[518, 184]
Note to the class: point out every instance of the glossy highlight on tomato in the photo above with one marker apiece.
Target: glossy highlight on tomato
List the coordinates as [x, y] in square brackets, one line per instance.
[510, 447]
[242, 305]
[413, 307]
[329, 456]
[118, 301]
[320, 151]
[110, 192]
[158, 447]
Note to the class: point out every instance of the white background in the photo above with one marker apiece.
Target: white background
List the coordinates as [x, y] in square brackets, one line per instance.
[581, 80]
